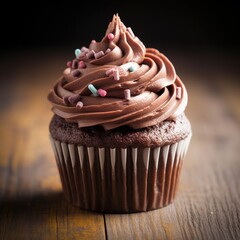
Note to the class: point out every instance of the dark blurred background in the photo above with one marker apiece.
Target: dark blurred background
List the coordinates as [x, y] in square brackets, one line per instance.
[158, 23]
[201, 38]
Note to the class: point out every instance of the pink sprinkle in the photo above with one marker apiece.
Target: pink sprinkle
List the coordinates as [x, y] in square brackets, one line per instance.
[108, 50]
[178, 93]
[82, 64]
[109, 71]
[127, 94]
[102, 92]
[93, 41]
[99, 54]
[79, 105]
[116, 74]
[90, 54]
[110, 36]
[130, 31]
[69, 64]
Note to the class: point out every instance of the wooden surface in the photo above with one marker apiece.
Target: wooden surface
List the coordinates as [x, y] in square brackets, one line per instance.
[208, 202]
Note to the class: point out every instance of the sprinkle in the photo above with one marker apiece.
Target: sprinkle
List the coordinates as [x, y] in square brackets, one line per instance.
[76, 73]
[109, 71]
[102, 92]
[82, 64]
[75, 64]
[108, 50]
[99, 54]
[69, 64]
[79, 105]
[83, 54]
[77, 52]
[90, 54]
[65, 100]
[93, 41]
[93, 90]
[130, 31]
[116, 74]
[110, 36]
[127, 94]
[84, 49]
[74, 98]
[178, 93]
[131, 69]
[121, 71]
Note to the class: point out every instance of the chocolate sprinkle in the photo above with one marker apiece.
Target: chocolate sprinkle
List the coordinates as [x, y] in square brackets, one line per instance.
[76, 73]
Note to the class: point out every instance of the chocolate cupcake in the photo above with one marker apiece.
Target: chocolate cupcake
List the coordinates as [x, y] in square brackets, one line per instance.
[119, 131]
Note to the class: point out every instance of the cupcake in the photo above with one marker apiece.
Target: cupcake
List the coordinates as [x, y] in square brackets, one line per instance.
[119, 132]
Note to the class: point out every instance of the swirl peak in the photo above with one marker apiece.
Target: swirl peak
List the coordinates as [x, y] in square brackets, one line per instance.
[118, 81]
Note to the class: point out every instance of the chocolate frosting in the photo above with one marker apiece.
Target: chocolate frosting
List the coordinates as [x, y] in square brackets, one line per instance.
[133, 86]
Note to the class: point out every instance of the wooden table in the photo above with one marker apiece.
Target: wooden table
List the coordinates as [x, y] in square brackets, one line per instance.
[208, 202]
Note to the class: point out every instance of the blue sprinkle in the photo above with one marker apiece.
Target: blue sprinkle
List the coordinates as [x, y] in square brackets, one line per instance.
[93, 90]
[77, 52]
[131, 69]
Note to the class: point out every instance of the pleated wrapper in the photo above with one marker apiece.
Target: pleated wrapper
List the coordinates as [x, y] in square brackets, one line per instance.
[120, 180]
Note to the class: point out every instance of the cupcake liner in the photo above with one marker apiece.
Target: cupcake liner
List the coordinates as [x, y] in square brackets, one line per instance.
[120, 180]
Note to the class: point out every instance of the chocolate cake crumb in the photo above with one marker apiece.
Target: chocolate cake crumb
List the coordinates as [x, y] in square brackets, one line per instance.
[167, 132]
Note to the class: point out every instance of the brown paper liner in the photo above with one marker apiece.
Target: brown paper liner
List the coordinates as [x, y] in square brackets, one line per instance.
[120, 180]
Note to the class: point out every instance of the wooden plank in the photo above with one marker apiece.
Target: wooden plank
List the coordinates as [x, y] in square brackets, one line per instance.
[32, 205]
[156, 224]
[6, 156]
[48, 217]
[208, 202]
[207, 205]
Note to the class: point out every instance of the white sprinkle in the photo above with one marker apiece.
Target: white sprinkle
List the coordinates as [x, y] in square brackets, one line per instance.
[79, 105]
[178, 93]
[99, 54]
[127, 65]
[121, 71]
[116, 74]
[127, 94]
[84, 49]
[108, 50]
[109, 71]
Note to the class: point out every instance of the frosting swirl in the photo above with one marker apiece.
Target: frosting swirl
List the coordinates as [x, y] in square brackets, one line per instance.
[117, 82]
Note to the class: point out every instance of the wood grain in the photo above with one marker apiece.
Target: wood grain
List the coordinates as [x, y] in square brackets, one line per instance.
[207, 205]
[31, 204]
